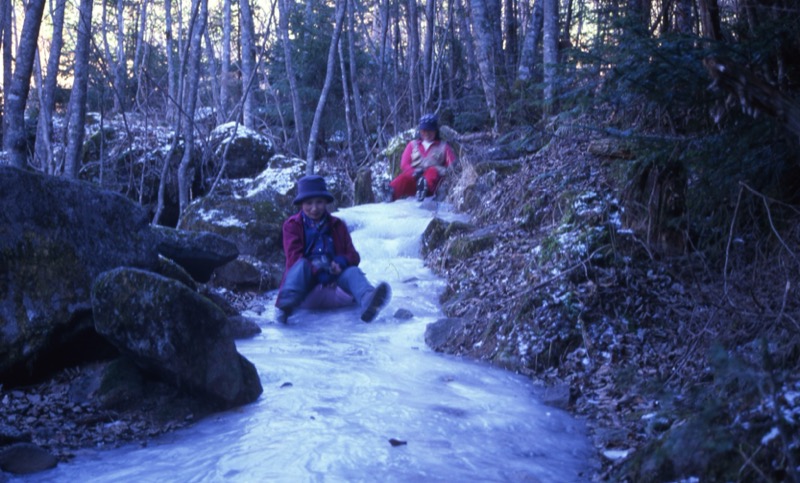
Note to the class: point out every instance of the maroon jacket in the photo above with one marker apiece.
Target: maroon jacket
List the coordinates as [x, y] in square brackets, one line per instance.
[294, 241]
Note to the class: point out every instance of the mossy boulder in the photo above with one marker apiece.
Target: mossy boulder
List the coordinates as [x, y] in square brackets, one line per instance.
[175, 333]
[56, 236]
[245, 152]
[439, 231]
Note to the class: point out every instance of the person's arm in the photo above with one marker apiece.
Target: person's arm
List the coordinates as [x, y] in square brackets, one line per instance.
[293, 241]
[405, 160]
[343, 246]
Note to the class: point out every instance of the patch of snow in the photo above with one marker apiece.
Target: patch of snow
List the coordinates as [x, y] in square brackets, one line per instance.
[773, 433]
[616, 454]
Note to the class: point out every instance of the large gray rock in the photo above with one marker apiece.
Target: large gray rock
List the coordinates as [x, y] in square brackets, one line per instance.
[56, 236]
[246, 152]
[175, 333]
[197, 253]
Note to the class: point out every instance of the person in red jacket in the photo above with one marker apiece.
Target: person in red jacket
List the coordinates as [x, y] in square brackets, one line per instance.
[424, 162]
[319, 251]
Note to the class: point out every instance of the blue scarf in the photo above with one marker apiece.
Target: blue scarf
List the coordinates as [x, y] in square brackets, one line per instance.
[318, 238]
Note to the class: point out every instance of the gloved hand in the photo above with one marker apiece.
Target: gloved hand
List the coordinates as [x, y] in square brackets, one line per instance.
[325, 277]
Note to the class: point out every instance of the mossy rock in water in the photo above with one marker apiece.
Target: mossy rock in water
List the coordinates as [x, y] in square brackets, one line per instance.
[467, 246]
[439, 231]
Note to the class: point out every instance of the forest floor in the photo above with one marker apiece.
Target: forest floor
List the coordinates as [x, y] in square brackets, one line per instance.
[682, 361]
[648, 344]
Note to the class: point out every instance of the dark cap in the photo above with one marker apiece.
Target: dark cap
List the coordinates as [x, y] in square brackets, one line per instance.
[429, 122]
[311, 186]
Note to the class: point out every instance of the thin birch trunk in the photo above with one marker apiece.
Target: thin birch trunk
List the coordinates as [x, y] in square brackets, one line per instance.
[531, 43]
[77, 99]
[8, 66]
[550, 31]
[427, 53]
[197, 28]
[17, 96]
[139, 54]
[120, 67]
[346, 95]
[341, 6]
[225, 64]
[413, 58]
[212, 73]
[44, 129]
[172, 87]
[484, 48]
[351, 47]
[247, 28]
[297, 108]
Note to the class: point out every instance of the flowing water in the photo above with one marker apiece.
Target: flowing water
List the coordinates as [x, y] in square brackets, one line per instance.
[349, 401]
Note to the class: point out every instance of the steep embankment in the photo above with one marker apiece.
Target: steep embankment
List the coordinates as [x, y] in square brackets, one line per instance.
[572, 278]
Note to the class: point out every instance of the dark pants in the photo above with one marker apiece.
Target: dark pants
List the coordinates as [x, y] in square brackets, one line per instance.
[300, 281]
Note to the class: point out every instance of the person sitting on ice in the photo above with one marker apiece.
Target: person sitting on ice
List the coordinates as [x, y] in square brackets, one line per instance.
[320, 257]
[424, 163]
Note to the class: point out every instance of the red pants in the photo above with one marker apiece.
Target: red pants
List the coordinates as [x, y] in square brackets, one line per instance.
[405, 184]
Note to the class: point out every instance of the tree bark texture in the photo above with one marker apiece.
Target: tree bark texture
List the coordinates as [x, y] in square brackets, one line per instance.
[247, 30]
[413, 58]
[484, 48]
[44, 128]
[225, 64]
[77, 99]
[17, 95]
[341, 7]
[196, 30]
[550, 31]
[286, 7]
[530, 46]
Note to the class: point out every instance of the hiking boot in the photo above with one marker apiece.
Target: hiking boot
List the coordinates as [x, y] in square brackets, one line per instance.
[422, 188]
[283, 316]
[375, 300]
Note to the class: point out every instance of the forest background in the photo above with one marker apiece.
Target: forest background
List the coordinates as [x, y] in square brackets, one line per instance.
[696, 102]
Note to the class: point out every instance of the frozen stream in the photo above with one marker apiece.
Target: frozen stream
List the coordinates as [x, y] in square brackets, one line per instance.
[336, 390]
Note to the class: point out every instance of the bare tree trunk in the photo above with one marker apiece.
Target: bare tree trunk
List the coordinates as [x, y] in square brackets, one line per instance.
[384, 39]
[77, 99]
[413, 58]
[213, 74]
[464, 15]
[120, 67]
[197, 28]
[8, 66]
[172, 87]
[140, 48]
[427, 53]
[550, 30]
[225, 67]
[44, 129]
[346, 95]
[247, 28]
[351, 44]
[511, 34]
[285, 11]
[484, 47]
[341, 6]
[709, 16]
[17, 95]
[531, 43]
